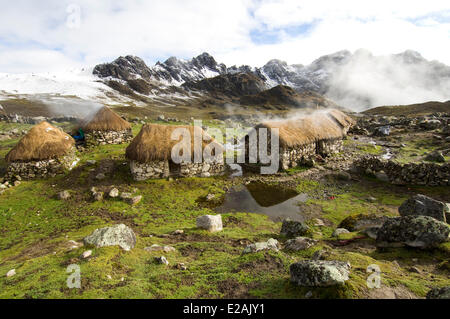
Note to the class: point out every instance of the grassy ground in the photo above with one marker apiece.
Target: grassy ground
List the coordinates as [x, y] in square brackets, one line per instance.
[36, 228]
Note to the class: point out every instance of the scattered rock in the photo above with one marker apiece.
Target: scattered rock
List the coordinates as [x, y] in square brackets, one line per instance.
[421, 205]
[271, 244]
[86, 254]
[210, 197]
[181, 266]
[134, 200]
[291, 228]
[178, 232]
[435, 156]
[17, 183]
[439, 293]
[382, 176]
[413, 231]
[125, 196]
[119, 235]
[319, 273]
[212, 223]
[318, 222]
[361, 222]
[162, 260]
[100, 176]
[113, 193]
[11, 273]
[300, 243]
[98, 196]
[91, 162]
[382, 131]
[156, 247]
[339, 231]
[64, 195]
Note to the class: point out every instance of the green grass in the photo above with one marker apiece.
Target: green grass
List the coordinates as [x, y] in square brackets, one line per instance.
[36, 229]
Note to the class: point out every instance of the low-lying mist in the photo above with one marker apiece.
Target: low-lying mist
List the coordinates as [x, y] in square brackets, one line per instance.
[366, 81]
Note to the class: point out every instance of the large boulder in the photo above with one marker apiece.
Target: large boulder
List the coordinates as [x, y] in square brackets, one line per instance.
[421, 205]
[211, 223]
[118, 235]
[439, 293]
[319, 273]
[413, 231]
[435, 156]
[291, 228]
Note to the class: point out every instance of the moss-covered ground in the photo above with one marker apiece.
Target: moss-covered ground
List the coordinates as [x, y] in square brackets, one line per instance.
[36, 228]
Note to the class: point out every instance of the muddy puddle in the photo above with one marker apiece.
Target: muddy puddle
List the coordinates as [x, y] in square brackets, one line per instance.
[273, 201]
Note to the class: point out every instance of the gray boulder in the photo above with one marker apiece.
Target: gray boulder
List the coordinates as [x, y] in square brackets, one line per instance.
[319, 273]
[361, 222]
[291, 228]
[339, 231]
[439, 293]
[421, 205]
[382, 131]
[413, 231]
[118, 235]
[271, 244]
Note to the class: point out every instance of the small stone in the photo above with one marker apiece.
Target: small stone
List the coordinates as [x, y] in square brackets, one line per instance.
[16, 183]
[178, 232]
[91, 162]
[308, 294]
[318, 222]
[64, 195]
[100, 176]
[371, 199]
[134, 200]
[211, 223]
[98, 196]
[415, 270]
[125, 196]
[11, 273]
[86, 254]
[210, 197]
[181, 266]
[162, 260]
[339, 231]
[113, 193]
[300, 243]
[291, 228]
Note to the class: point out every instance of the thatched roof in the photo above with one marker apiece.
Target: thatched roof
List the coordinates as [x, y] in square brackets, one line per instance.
[321, 125]
[105, 120]
[154, 142]
[42, 142]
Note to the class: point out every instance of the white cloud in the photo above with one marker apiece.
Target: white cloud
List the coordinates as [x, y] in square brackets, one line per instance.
[37, 33]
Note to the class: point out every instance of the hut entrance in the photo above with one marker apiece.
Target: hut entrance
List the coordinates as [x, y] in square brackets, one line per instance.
[174, 168]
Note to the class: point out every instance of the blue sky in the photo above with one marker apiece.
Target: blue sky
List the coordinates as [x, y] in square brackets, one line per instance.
[58, 34]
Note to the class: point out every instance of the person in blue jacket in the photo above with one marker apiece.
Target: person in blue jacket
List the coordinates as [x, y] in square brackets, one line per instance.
[79, 136]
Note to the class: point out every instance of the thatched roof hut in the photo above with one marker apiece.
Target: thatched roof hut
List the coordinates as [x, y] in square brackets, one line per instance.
[322, 125]
[105, 120]
[42, 142]
[154, 143]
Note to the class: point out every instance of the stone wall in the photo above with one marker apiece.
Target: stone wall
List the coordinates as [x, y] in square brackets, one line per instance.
[430, 174]
[95, 138]
[40, 169]
[162, 169]
[290, 157]
[328, 147]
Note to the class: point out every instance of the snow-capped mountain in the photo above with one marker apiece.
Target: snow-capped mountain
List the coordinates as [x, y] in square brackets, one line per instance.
[356, 80]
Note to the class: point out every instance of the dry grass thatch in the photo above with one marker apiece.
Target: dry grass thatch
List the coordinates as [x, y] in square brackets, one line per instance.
[42, 142]
[323, 125]
[105, 120]
[154, 142]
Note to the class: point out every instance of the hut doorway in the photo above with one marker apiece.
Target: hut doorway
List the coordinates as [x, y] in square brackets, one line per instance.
[174, 168]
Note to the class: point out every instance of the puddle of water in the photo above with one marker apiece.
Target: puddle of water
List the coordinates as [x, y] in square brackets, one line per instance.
[275, 202]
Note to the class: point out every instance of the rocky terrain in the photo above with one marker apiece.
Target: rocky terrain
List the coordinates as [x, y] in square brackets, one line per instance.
[354, 232]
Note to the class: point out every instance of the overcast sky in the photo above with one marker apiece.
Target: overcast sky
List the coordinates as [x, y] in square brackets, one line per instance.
[50, 35]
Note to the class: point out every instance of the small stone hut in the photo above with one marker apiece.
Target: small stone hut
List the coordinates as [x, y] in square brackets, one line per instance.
[106, 127]
[150, 153]
[44, 151]
[320, 133]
